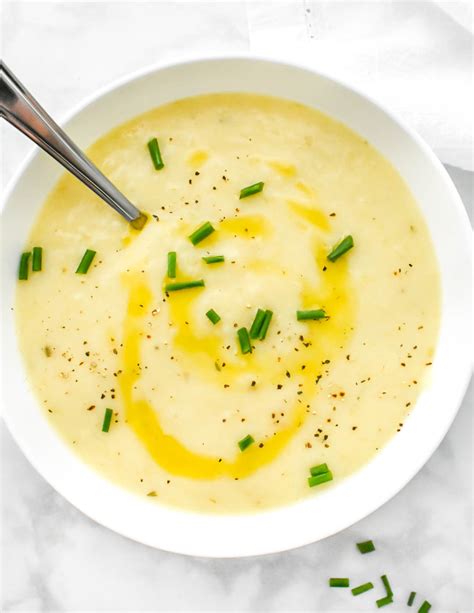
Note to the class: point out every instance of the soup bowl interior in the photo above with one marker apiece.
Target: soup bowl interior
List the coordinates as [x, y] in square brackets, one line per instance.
[345, 502]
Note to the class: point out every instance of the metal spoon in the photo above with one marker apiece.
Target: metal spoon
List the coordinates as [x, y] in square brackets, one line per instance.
[19, 108]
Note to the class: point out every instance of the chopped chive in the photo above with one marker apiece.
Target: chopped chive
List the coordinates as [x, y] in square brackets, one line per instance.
[37, 259]
[244, 340]
[382, 602]
[179, 285]
[107, 419]
[387, 586]
[360, 589]
[155, 154]
[86, 261]
[201, 233]
[320, 469]
[366, 546]
[425, 607]
[213, 259]
[251, 190]
[171, 265]
[213, 316]
[246, 442]
[265, 324]
[318, 479]
[411, 599]
[23, 269]
[257, 323]
[338, 582]
[341, 248]
[312, 314]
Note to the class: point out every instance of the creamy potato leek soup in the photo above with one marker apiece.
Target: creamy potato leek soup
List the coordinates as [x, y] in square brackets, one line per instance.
[266, 332]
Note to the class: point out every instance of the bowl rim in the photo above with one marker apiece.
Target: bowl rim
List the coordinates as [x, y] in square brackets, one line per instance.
[281, 544]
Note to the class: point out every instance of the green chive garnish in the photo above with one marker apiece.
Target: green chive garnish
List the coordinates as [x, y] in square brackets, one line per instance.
[107, 420]
[320, 469]
[382, 602]
[213, 259]
[213, 316]
[387, 585]
[246, 442]
[37, 259]
[340, 249]
[366, 547]
[176, 287]
[265, 324]
[257, 323]
[411, 599]
[360, 589]
[425, 607]
[338, 582]
[155, 154]
[201, 233]
[251, 190]
[171, 265]
[23, 269]
[244, 340]
[312, 314]
[85, 262]
[318, 479]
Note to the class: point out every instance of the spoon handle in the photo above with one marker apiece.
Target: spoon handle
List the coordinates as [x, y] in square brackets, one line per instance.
[19, 108]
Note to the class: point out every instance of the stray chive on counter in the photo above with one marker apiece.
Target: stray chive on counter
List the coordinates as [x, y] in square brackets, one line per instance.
[388, 598]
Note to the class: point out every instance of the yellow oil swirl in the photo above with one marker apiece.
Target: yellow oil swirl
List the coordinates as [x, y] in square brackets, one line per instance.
[286, 170]
[246, 226]
[197, 158]
[309, 214]
[322, 342]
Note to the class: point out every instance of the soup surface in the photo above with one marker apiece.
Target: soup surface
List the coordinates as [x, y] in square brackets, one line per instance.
[183, 392]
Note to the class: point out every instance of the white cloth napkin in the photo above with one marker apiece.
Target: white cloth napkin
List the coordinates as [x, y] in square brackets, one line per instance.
[415, 57]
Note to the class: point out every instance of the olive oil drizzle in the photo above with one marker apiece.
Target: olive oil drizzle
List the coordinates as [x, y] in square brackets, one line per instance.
[323, 342]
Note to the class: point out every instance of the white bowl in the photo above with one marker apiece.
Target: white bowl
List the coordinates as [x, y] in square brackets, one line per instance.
[341, 505]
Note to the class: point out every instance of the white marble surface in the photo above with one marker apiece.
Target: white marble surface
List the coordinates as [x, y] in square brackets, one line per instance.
[54, 558]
